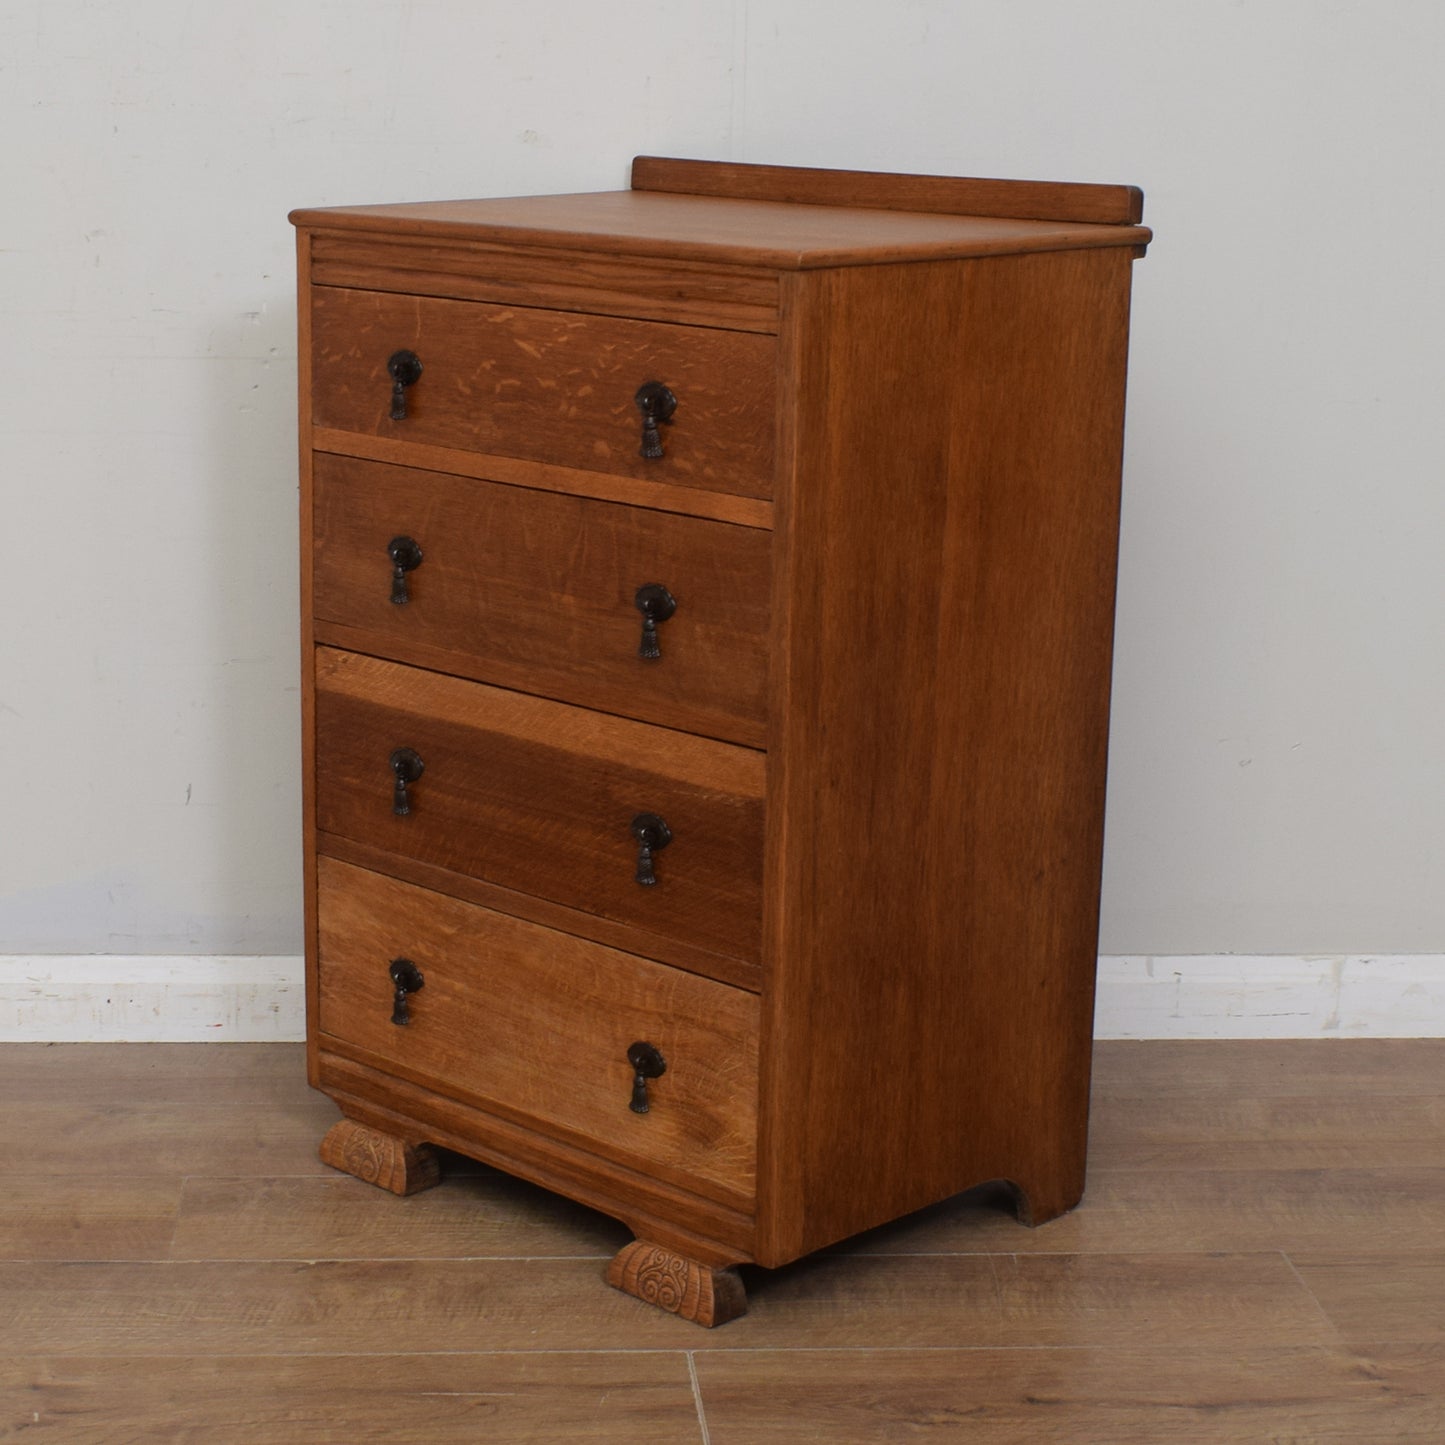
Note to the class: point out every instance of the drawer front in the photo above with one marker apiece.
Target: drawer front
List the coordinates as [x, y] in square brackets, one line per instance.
[539, 1024]
[538, 591]
[548, 386]
[541, 797]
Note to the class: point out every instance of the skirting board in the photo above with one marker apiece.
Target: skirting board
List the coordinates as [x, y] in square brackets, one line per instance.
[106, 997]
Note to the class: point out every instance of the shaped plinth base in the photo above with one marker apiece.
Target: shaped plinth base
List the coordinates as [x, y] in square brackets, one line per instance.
[1039, 1204]
[679, 1285]
[380, 1159]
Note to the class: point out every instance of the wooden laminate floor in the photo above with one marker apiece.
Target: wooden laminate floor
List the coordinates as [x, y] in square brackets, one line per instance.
[1260, 1257]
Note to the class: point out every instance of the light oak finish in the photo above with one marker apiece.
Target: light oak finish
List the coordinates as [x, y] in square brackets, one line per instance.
[653, 225]
[887, 506]
[679, 1285]
[540, 797]
[601, 285]
[1083, 1396]
[548, 386]
[381, 1159]
[519, 472]
[270, 1308]
[533, 1024]
[443, 1399]
[961, 771]
[677, 951]
[951, 195]
[536, 591]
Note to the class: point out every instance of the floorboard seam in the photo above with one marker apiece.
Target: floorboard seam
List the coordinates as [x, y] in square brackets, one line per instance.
[697, 1398]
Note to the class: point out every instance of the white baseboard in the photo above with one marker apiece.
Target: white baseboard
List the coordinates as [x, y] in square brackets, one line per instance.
[106, 997]
[151, 999]
[1271, 996]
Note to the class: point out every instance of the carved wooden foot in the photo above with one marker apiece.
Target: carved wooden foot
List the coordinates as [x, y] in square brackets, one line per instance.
[380, 1159]
[695, 1291]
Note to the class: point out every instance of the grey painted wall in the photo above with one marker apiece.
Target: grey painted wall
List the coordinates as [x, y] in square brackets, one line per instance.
[1276, 782]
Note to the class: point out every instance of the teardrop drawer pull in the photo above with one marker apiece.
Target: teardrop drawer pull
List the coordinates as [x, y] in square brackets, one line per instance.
[405, 557]
[407, 978]
[647, 1064]
[406, 767]
[652, 834]
[657, 404]
[656, 604]
[404, 368]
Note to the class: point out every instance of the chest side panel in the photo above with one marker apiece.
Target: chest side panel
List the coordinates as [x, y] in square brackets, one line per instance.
[948, 534]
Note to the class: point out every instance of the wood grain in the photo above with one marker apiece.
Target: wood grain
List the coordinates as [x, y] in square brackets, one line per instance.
[306, 513]
[539, 797]
[648, 224]
[439, 1399]
[550, 386]
[101, 1138]
[482, 1214]
[264, 1076]
[540, 476]
[681, 1286]
[538, 1025]
[1373, 1297]
[87, 1216]
[315, 1307]
[385, 1160]
[733, 298]
[1180, 1210]
[1285, 1132]
[918, 898]
[950, 501]
[740, 973]
[1074, 1396]
[957, 195]
[1240, 1302]
[1237, 1070]
[536, 591]
[714, 1226]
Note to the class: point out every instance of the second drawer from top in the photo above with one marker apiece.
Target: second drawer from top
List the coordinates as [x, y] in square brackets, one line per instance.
[648, 614]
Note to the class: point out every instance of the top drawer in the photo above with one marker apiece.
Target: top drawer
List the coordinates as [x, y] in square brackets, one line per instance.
[547, 386]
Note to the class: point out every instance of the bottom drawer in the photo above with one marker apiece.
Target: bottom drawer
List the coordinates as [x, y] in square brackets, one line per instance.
[538, 1024]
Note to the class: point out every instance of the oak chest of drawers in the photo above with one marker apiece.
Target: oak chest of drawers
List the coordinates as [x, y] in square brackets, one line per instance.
[708, 596]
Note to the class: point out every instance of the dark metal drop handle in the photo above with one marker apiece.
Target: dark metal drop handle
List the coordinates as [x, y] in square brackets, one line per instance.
[647, 1064]
[656, 604]
[407, 978]
[405, 557]
[404, 368]
[657, 404]
[406, 767]
[652, 835]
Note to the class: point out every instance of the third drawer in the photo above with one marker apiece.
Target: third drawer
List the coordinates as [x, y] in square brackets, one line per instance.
[545, 800]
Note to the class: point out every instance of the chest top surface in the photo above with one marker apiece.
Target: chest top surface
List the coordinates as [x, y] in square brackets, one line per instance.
[768, 216]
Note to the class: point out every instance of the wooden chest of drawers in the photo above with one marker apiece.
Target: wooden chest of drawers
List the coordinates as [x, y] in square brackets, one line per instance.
[708, 596]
